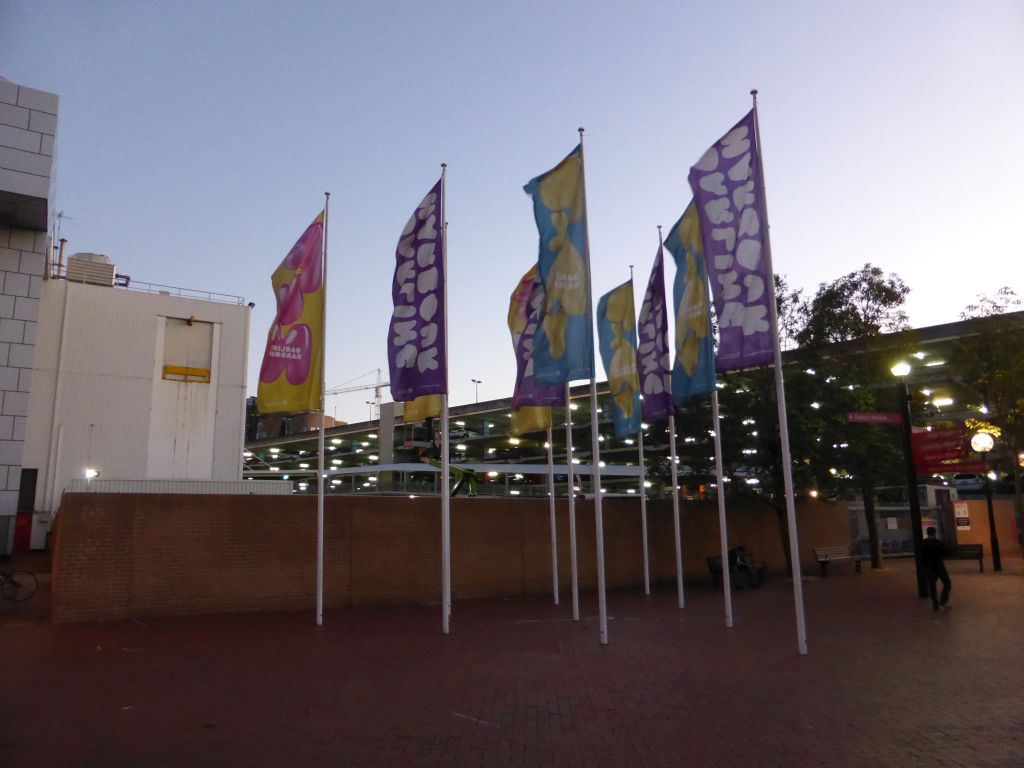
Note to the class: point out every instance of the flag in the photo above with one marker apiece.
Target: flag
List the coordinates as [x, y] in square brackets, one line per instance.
[652, 358]
[290, 377]
[423, 407]
[616, 330]
[729, 194]
[416, 336]
[530, 418]
[694, 369]
[524, 309]
[564, 346]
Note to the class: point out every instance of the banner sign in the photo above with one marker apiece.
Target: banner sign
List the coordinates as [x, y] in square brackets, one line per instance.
[729, 194]
[290, 379]
[873, 417]
[937, 445]
[652, 358]
[416, 348]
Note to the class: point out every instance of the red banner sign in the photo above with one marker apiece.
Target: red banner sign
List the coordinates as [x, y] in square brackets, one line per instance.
[873, 417]
[969, 467]
[938, 445]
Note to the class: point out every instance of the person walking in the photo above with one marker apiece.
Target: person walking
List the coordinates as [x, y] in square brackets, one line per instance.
[933, 553]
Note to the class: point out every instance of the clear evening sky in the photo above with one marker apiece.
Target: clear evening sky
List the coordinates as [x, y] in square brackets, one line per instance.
[196, 141]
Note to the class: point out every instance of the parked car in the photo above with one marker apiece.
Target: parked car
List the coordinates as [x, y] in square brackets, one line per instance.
[969, 483]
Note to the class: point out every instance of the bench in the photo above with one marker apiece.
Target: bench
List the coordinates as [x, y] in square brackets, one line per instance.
[825, 555]
[968, 552]
[751, 570]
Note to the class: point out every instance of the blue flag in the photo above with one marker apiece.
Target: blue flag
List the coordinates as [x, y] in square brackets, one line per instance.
[616, 331]
[564, 345]
[694, 369]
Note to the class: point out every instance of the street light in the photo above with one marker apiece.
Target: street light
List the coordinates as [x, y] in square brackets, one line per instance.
[901, 371]
[477, 382]
[982, 443]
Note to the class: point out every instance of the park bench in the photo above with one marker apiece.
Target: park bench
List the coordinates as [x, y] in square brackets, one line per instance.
[825, 555]
[968, 552]
[752, 571]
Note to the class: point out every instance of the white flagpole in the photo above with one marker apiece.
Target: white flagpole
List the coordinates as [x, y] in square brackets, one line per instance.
[643, 516]
[780, 394]
[320, 440]
[446, 492]
[572, 507]
[554, 526]
[675, 506]
[595, 442]
[643, 495]
[674, 474]
[722, 533]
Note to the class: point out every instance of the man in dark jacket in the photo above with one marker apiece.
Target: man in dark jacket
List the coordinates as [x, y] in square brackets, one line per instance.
[933, 553]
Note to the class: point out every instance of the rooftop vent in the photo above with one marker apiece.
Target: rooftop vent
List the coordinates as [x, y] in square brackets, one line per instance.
[91, 268]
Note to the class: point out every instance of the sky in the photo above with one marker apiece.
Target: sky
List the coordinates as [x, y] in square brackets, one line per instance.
[196, 140]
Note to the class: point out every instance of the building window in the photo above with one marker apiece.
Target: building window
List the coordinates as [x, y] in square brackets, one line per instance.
[188, 350]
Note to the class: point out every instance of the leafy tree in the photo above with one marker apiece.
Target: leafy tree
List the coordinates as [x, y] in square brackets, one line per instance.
[855, 306]
[991, 361]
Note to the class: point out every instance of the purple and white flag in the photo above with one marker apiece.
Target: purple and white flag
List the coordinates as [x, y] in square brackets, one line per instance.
[652, 357]
[729, 193]
[416, 340]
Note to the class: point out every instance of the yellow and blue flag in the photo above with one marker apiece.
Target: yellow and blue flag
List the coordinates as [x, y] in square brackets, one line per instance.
[564, 345]
[694, 369]
[616, 332]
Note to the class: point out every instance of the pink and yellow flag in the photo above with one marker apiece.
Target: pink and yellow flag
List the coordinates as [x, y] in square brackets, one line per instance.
[290, 378]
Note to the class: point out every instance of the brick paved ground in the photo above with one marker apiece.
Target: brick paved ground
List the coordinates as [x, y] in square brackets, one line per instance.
[887, 682]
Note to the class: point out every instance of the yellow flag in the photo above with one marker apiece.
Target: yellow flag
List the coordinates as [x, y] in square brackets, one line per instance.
[423, 407]
[291, 378]
[530, 418]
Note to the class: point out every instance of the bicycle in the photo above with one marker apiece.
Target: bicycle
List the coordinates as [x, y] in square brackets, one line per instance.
[18, 586]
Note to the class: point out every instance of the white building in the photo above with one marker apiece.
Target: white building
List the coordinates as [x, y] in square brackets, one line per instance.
[133, 384]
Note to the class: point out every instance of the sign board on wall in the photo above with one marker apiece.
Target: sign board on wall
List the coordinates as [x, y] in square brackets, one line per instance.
[961, 513]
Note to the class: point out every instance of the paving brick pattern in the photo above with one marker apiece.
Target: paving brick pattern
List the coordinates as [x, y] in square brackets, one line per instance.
[887, 683]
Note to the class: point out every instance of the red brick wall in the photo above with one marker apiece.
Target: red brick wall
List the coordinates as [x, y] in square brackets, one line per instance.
[126, 555]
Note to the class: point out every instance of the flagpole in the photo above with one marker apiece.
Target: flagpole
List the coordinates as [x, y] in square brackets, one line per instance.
[722, 532]
[675, 506]
[643, 495]
[595, 443]
[320, 441]
[554, 527]
[572, 507]
[674, 473]
[780, 395]
[643, 516]
[446, 533]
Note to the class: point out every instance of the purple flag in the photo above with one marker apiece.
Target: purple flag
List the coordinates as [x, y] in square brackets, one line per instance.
[729, 193]
[416, 340]
[524, 310]
[652, 358]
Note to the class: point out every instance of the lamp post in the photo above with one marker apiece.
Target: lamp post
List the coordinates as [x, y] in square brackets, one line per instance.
[901, 371]
[983, 442]
[477, 382]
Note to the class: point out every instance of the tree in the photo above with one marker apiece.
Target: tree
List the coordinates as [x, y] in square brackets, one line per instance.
[859, 305]
[991, 361]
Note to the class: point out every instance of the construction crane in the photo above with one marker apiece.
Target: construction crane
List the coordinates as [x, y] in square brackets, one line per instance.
[377, 388]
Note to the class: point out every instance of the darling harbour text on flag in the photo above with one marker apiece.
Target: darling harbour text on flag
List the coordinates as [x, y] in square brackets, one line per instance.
[290, 380]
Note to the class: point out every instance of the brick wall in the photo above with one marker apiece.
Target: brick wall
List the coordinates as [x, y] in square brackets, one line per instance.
[127, 555]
